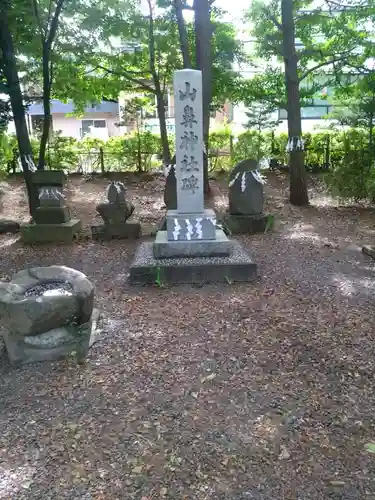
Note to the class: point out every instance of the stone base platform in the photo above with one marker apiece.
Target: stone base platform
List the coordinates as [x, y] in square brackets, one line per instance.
[245, 224]
[163, 248]
[146, 269]
[47, 233]
[128, 229]
[56, 344]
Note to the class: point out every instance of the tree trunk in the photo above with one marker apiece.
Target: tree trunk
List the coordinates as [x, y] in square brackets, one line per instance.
[203, 42]
[47, 107]
[184, 40]
[162, 123]
[297, 172]
[18, 110]
[159, 91]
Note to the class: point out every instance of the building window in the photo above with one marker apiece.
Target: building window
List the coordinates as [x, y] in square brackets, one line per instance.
[37, 123]
[169, 109]
[87, 125]
[309, 112]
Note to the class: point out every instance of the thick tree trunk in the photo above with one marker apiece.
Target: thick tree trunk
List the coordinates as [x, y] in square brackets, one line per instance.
[47, 107]
[18, 110]
[203, 41]
[162, 124]
[159, 91]
[184, 40]
[297, 172]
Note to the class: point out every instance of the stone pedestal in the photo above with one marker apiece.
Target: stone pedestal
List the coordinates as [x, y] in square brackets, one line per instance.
[49, 233]
[52, 221]
[190, 248]
[216, 247]
[245, 224]
[148, 270]
[112, 230]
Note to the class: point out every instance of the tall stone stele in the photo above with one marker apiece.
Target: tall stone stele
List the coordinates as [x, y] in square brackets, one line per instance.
[190, 229]
[191, 248]
[52, 221]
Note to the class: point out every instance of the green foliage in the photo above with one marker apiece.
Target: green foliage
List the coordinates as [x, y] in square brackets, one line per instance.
[352, 174]
[133, 150]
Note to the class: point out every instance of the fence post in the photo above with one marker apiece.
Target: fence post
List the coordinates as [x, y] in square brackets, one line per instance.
[327, 155]
[101, 159]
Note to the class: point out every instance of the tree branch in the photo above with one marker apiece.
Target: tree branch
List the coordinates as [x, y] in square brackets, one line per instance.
[126, 75]
[42, 31]
[184, 40]
[54, 24]
[321, 65]
[273, 18]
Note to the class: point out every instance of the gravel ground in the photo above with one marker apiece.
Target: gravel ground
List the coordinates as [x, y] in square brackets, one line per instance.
[258, 391]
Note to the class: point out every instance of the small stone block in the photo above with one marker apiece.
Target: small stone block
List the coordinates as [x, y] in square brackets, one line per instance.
[48, 233]
[51, 215]
[191, 226]
[9, 226]
[369, 250]
[238, 266]
[163, 248]
[128, 229]
[245, 224]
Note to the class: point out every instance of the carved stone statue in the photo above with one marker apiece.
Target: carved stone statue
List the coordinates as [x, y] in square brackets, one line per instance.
[115, 213]
[116, 209]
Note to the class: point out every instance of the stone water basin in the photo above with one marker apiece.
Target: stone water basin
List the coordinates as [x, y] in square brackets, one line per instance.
[46, 313]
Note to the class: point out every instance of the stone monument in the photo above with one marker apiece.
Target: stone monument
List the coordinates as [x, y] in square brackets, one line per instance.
[192, 248]
[246, 199]
[115, 214]
[47, 313]
[52, 221]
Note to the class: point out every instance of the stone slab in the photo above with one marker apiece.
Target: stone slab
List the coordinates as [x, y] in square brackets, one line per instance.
[163, 248]
[369, 250]
[51, 215]
[129, 229]
[245, 224]
[49, 178]
[238, 266]
[191, 226]
[48, 233]
[56, 344]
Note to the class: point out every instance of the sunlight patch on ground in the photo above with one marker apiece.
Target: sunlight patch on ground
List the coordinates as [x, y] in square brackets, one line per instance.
[14, 480]
[303, 232]
[325, 201]
[221, 203]
[349, 287]
[8, 242]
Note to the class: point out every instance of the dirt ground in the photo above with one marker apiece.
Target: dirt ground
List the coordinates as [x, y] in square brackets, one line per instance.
[261, 391]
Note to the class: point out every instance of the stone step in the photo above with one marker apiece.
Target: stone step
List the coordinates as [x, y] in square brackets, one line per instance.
[164, 248]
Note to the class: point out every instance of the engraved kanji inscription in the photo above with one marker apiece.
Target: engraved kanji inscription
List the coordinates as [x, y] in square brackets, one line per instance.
[190, 184]
[188, 117]
[189, 140]
[189, 165]
[188, 94]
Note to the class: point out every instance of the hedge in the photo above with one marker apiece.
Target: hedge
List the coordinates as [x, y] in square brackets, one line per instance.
[344, 155]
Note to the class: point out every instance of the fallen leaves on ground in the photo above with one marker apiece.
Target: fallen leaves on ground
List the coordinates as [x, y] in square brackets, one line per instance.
[257, 391]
